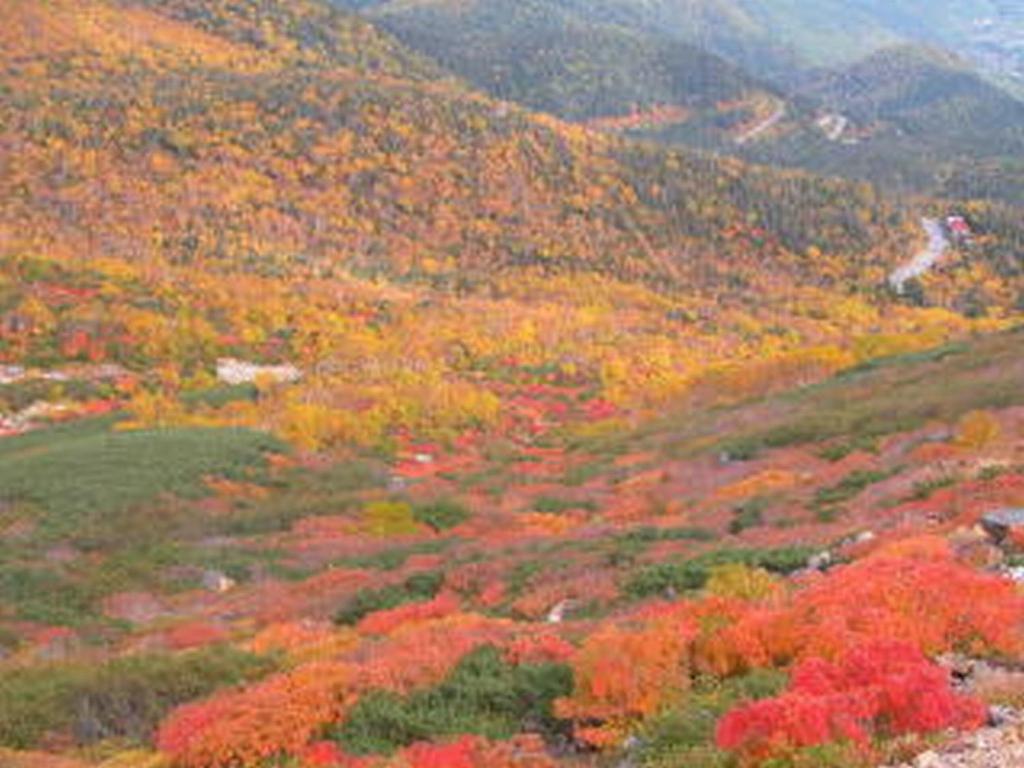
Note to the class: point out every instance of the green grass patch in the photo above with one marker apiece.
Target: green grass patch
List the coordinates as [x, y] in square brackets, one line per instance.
[302, 493]
[582, 473]
[77, 479]
[934, 355]
[39, 593]
[890, 396]
[627, 547]
[218, 397]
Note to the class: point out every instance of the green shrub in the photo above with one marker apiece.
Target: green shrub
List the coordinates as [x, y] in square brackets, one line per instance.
[441, 515]
[484, 695]
[123, 698]
[420, 586]
[841, 450]
[685, 735]
[923, 489]
[850, 486]
[693, 574]
[650, 534]
[552, 505]
[392, 559]
[749, 514]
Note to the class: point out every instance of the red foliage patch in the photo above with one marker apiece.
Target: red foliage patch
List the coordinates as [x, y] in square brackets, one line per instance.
[879, 689]
[932, 602]
[539, 648]
[195, 635]
[458, 754]
[384, 622]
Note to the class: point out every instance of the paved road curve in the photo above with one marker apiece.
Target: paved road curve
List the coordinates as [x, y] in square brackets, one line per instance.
[926, 259]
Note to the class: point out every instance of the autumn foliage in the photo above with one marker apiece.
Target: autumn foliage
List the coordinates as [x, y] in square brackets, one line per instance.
[881, 688]
[625, 673]
[933, 603]
[278, 715]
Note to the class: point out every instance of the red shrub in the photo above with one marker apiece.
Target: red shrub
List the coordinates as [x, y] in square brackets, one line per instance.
[474, 752]
[458, 754]
[195, 635]
[322, 753]
[384, 622]
[878, 689]
[934, 603]
[539, 648]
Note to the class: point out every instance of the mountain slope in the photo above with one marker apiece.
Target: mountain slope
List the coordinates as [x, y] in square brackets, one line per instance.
[251, 161]
[350, 417]
[550, 57]
[912, 117]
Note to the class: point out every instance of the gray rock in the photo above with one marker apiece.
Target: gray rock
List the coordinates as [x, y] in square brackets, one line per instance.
[1000, 522]
[215, 581]
[820, 561]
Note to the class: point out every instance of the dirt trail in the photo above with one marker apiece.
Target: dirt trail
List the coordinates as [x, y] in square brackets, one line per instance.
[924, 260]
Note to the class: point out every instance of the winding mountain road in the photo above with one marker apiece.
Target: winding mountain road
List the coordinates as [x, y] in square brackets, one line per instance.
[774, 119]
[926, 259]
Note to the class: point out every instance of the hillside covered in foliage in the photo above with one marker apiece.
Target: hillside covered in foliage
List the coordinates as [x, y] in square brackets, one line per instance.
[353, 418]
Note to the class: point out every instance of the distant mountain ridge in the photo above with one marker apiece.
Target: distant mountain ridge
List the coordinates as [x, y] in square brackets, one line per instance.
[552, 56]
[857, 88]
[914, 116]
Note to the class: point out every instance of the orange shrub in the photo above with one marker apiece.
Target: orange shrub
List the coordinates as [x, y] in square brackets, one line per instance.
[625, 673]
[303, 641]
[384, 622]
[245, 727]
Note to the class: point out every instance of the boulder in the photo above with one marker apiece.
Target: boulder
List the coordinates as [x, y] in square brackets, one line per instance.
[820, 561]
[974, 546]
[215, 581]
[1004, 524]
